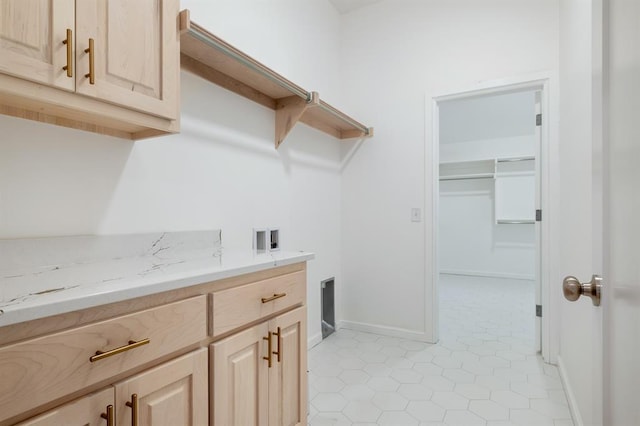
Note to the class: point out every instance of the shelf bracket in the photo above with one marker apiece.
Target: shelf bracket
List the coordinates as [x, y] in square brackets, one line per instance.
[289, 111]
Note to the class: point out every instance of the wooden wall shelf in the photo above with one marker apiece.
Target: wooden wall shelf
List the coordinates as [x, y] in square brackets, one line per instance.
[213, 59]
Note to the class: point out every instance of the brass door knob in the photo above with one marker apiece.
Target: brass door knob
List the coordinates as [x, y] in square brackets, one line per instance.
[573, 289]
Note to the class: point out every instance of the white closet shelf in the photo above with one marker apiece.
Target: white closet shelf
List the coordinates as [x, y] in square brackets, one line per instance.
[217, 61]
[515, 222]
[482, 168]
[514, 159]
[468, 176]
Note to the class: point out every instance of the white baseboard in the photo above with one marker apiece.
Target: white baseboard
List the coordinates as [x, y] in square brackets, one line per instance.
[385, 330]
[489, 274]
[314, 340]
[571, 397]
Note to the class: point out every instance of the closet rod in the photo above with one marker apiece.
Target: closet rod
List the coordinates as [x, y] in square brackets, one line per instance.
[465, 177]
[331, 110]
[511, 160]
[231, 52]
[516, 222]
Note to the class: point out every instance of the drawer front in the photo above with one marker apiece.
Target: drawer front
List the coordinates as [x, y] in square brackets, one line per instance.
[235, 307]
[37, 371]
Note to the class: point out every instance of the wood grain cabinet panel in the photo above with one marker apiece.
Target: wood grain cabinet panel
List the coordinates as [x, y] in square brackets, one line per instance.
[135, 45]
[236, 307]
[239, 377]
[86, 411]
[31, 40]
[37, 371]
[248, 389]
[288, 377]
[126, 85]
[174, 393]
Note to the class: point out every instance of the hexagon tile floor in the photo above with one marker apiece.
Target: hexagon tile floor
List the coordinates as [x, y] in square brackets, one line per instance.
[484, 370]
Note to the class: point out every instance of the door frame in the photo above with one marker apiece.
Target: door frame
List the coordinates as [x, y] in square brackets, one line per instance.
[546, 84]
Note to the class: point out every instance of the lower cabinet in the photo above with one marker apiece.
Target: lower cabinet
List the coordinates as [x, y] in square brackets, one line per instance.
[246, 365]
[259, 375]
[87, 410]
[173, 393]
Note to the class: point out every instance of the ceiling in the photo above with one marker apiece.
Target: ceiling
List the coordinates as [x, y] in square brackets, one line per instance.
[346, 6]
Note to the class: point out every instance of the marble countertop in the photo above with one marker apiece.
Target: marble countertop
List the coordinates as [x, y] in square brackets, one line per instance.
[50, 276]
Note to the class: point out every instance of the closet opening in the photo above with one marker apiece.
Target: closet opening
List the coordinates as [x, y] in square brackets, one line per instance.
[487, 210]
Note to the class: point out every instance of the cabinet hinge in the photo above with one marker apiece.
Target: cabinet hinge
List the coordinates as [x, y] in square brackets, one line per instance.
[538, 215]
[538, 119]
[539, 311]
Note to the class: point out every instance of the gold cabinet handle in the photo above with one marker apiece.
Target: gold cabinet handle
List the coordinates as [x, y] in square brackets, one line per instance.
[91, 51]
[108, 416]
[274, 297]
[69, 42]
[269, 349]
[279, 351]
[132, 345]
[134, 409]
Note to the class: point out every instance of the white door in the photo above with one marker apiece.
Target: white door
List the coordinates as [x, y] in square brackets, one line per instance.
[600, 345]
[578, 232]
[622, 270]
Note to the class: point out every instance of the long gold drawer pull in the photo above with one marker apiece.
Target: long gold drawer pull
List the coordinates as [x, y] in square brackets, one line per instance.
[132, 345]
[69, 42]
[269, 349]
[92, 74]
[274, 297]
[134, 409]
[108, 416]
[279, 351]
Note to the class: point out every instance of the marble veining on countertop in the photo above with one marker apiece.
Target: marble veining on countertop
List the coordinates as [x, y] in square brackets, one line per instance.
[48, 276]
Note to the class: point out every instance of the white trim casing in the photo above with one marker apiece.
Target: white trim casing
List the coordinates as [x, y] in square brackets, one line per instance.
[546, 83]
[490, 274]
[568, 390]
[384, 330]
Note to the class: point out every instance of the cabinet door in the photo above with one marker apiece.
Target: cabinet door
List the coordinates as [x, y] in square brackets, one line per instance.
[240, 378]
[136, 53]
[31, 36]
[288, 377]
[86, 411]
[173, 393]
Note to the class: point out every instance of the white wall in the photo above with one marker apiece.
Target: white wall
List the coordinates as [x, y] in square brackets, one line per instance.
[470, 243]
[469, 240]
[394, 55]
[506, 147]
[221, 171]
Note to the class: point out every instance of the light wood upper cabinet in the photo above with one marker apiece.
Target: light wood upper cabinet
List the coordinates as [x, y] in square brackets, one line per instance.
[31, 40]
[126, 86]
[135, 61]
[174, 393]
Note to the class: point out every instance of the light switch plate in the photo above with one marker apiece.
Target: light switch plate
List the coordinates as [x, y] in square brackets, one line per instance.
[416, 215]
